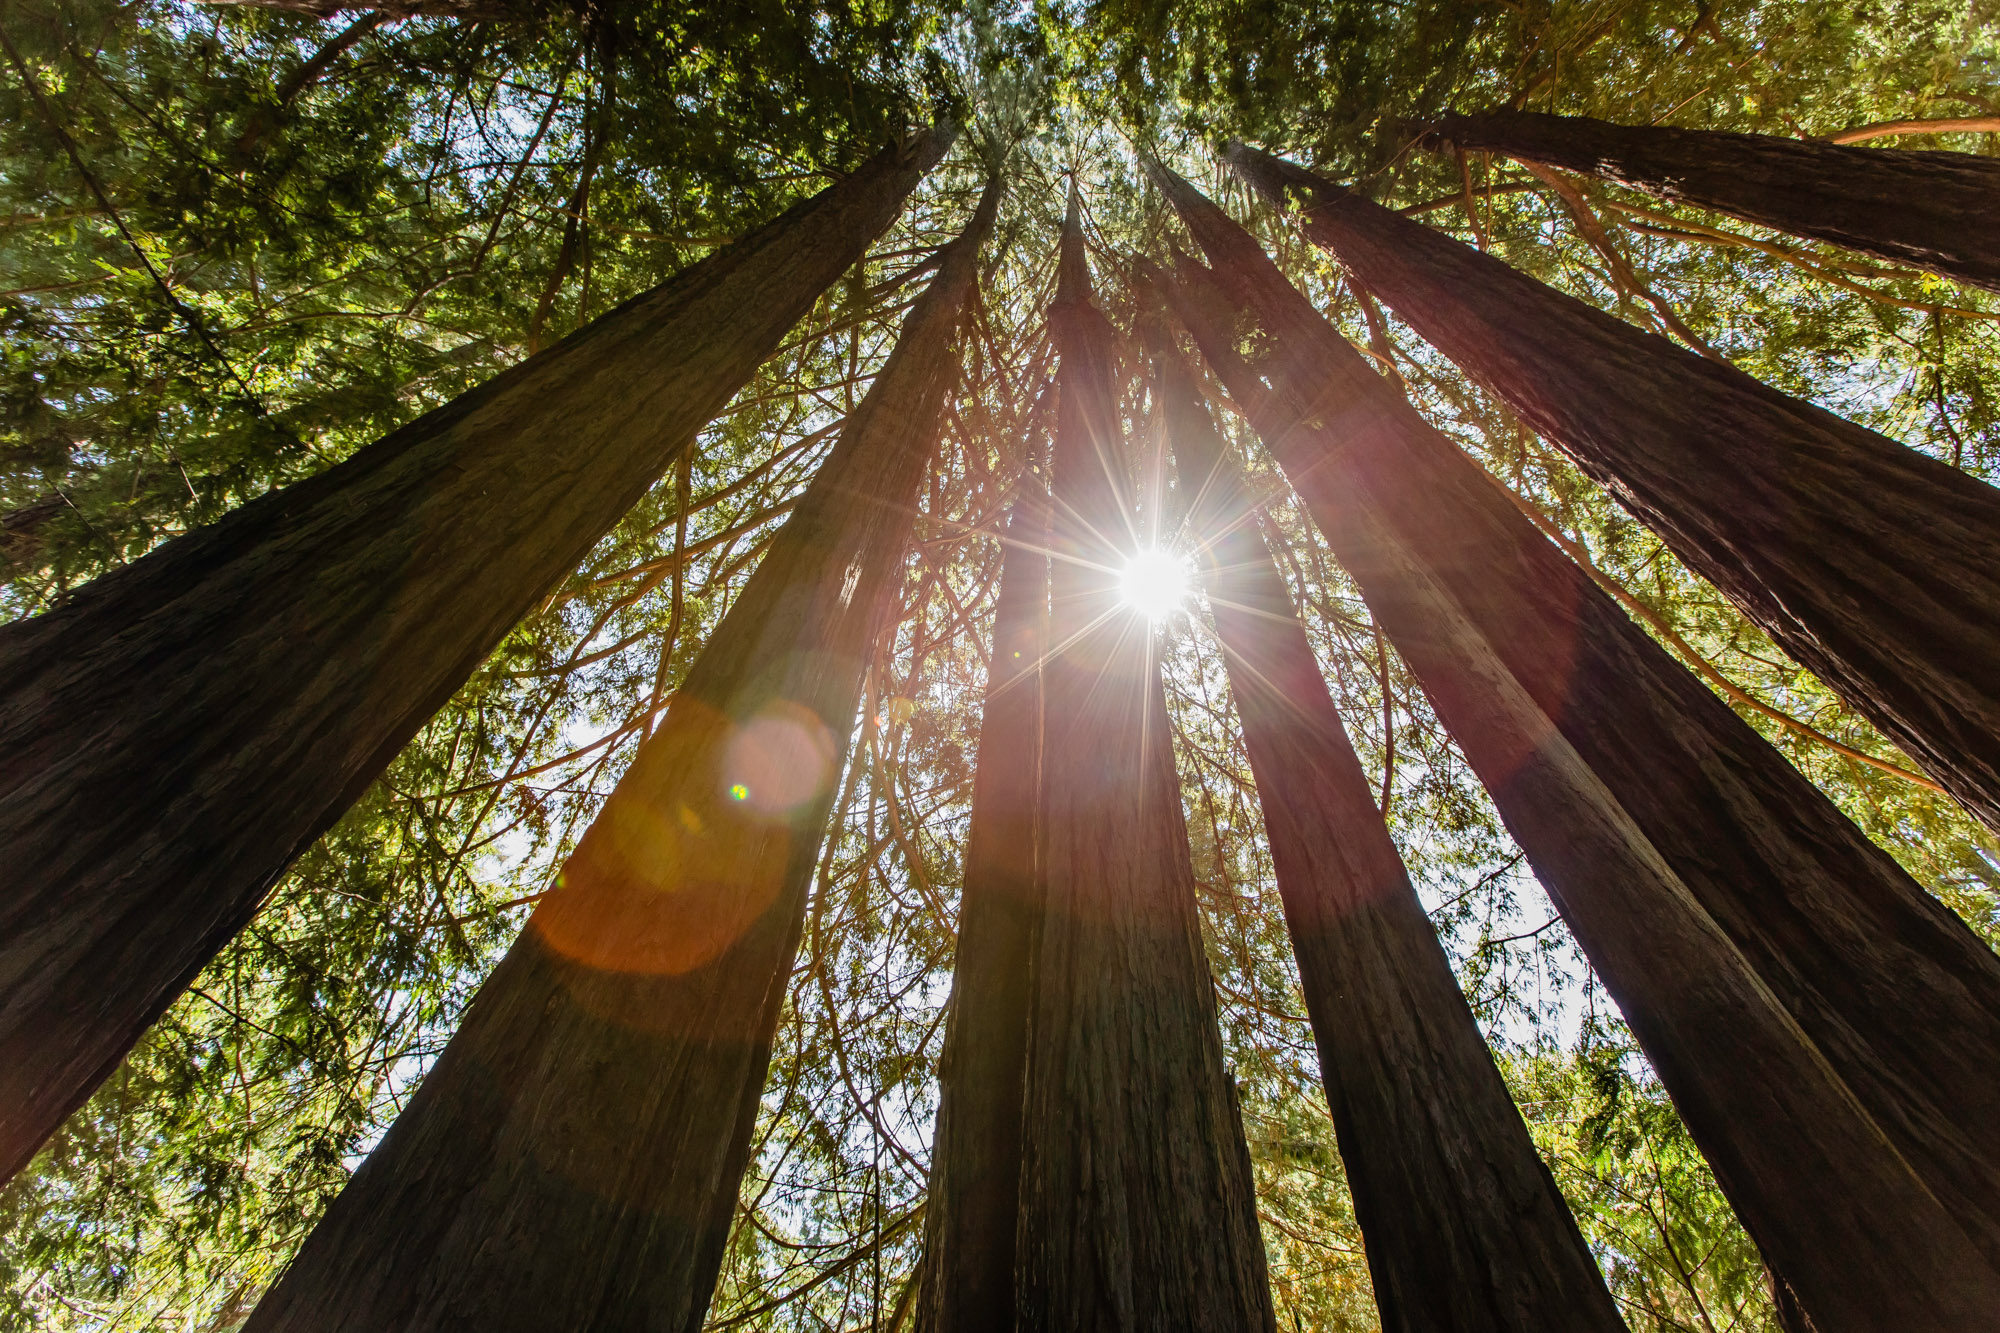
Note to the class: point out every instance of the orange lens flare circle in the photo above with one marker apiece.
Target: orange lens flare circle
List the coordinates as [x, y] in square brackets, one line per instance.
[779, 760]
[692, 848]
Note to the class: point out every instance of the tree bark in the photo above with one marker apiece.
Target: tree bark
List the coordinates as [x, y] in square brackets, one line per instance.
[572, 1161]
[1465, 1229]
[1875, 566]
[180, 729]
[970, 1221]
[1848, 530]
[1785, 1311]
[1725, 903]
[1934, 210]
[1137, 1206]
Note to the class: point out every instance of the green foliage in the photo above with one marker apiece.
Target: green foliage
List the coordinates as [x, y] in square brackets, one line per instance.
[255, 278]
[1646, 1200]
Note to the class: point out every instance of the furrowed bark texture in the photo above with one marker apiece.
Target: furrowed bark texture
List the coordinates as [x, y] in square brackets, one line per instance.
[1723, 900]
[1849, 531]
[572, 1160]
[177, 732]
[1137, 1207]
[1934, 210]
[1465, 1229]
[1875, 566]
[970, 1221]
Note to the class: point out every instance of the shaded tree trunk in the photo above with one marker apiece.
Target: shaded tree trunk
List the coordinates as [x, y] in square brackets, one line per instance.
[970, 1220]
[1465, 1229]
[1785, 1311]
[1897, 991]
[1875, 566]
[1934, 210]
[1137, 1205]
[572, 1161]
[1726, 904]
[180, 729]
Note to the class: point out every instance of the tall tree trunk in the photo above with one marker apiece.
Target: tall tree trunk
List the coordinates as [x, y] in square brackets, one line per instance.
[1727, 905]
[572, 1161]
[1932, 209]
[1900, 994]
[1137, 1206]
[1465, 1229]
[970, 1221]
[1876, 566]
[174, 734]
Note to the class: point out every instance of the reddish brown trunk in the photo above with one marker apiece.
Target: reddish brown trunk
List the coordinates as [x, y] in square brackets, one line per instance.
[174, 734]
[1899, 993]
[1874, 565]
[1722, 899]
[572, 1160]
[970, 1220]
[1785, 1311]
[1137, 1206]
[1931, 209]
[1465, 1229]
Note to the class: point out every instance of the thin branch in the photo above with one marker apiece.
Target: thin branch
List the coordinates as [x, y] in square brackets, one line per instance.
[1952, 125]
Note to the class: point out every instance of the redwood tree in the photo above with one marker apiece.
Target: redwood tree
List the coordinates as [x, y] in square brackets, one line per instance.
[1876, 566]
[1926, 208]
[572, 1159]
[180, 729]
[974, 1202]
[1137, 1205]
[1465, 1228]
[1739, 921]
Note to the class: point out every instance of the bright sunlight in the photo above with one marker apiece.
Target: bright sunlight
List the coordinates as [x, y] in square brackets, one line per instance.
[1154, 583]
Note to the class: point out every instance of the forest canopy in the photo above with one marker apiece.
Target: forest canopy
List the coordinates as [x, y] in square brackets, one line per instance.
[246, 239]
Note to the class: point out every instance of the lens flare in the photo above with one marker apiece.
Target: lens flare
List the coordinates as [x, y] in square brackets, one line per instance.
[1154, 583]
[778, 760]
